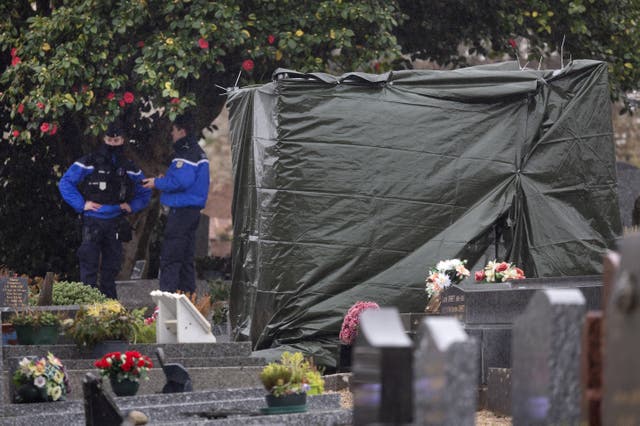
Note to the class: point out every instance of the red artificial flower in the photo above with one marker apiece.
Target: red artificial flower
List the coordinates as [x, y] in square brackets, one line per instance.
[479, 275]
[376, 66]
[513, 43]
[15, 60]
[520, 273]
[84, 88]
[140, 44]
[44, 127]
[128, 97]
[16, 133]
[111, 95]
[247, 65]
[14, 52]
[40, 105]
[204, 44]
[502, 267]
[121, 103]
[175, 100]
[271, 39]
[54, 129]
[20, 108]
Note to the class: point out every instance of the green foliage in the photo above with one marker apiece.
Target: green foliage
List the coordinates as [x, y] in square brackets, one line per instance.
[105, 321]
[146, 333]
[76, 293]
[292, 374]
[35, 318]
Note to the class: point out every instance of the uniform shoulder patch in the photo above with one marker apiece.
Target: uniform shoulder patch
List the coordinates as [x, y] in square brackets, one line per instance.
[179, 164]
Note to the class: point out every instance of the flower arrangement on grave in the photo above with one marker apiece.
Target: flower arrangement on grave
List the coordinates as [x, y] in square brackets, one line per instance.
[130, 365]
[105, 321]
[292, 375]
[351, 321]
[444, 274]
[499, 272]
[41, 379]
[36, 327]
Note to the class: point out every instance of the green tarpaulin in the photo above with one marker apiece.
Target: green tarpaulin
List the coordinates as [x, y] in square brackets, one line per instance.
[349, 188]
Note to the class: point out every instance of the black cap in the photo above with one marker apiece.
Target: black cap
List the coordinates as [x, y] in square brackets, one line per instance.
[114, 130]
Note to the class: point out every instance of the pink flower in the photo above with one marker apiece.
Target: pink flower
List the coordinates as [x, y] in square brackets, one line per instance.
[175, 101]
[111, 95]
[40, 105]
[513, 43]
[140, 44]
[54, 129]
[247, 65]
[351, 321]
[128, 97]
[121, 103]
[15, 61]
[271, 39]
[204, 44]
[20, 108]
[44, 127]
[479, 275]
[16, 133]
[502, 267]
[14, 52]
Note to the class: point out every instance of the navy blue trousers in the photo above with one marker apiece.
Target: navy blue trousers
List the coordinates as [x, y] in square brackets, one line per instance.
[177, 269]
[100, 252]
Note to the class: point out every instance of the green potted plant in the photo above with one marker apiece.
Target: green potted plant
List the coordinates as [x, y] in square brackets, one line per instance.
[105, 327]
[288, 382]
[35, 327]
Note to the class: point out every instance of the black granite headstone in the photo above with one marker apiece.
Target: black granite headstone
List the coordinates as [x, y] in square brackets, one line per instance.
[99, 407]
[382, 361]
[178, 379]
[621, 351]
[138, 269]
[546, 352]
[445, 374]
[14, 292]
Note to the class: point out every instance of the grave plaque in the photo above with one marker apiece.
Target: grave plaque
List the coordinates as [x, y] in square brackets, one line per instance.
[138, 269]
[14, 292]
[621, 350]
[382, 370]
[445, 374]
[546, 353]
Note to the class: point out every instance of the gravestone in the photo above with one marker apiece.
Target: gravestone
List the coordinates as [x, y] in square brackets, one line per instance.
[45, 298]
[14, 292]
[178, 379]
[99, 407]
[445, 374]
[202, 237]
[382, 370]
[546, 352]
[489, 310]
[138, 269]
[621, 352]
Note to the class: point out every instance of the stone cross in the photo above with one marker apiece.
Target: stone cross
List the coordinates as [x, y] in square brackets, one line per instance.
[546, 353]
[445, 374]
[382, 370]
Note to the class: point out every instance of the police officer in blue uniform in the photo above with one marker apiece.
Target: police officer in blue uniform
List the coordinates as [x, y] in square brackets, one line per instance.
[184, 190]
[104, 186]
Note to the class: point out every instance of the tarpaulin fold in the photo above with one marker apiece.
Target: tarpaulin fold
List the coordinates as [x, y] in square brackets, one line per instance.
[350, 187]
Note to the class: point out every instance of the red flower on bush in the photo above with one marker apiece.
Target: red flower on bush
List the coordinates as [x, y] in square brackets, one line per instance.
[247, 65]
[351, 322]
[44, 127]
[128, 97]
[20, 108]
[40, 105]
[271, 39]
[513, 43]
[140, 43]
[204, 44]
[54, 129]
[111, 96]
[15, 60]
[121, 103]
[175, 101]
[14, 52]
[16, 133]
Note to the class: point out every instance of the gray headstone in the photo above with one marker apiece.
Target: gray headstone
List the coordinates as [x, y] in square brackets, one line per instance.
[178, 379]
[202, 237]
[138, 269]
[546, 359]
[14, 292]
[621, 352]
[99, 407]
[46, 291]
[382, 369]
[445, 386]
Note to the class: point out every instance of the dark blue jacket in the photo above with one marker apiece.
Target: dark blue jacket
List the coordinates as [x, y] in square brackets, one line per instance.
[71, 181]
[186, 183]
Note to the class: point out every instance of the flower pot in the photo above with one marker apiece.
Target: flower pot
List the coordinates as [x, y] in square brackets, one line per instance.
[32, 335]
[292, 399]
[344, 362]
[28, 393]
[125, 387]
[102, 348]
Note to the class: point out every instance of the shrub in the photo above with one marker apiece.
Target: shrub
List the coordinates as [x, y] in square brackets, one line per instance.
[76, 293]
[105, 321]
